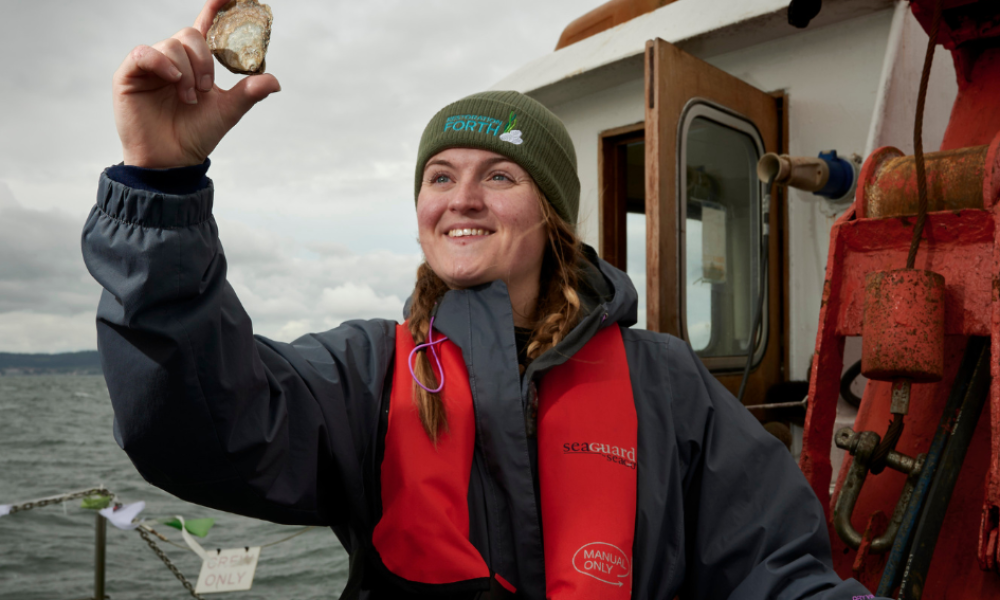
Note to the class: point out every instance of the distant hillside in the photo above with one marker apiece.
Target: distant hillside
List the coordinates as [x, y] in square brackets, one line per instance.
[69, 363]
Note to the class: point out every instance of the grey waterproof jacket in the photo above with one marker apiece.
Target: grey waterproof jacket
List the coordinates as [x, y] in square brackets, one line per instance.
[288, 432]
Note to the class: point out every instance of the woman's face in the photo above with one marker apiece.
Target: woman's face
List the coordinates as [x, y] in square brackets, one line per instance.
[480, 220]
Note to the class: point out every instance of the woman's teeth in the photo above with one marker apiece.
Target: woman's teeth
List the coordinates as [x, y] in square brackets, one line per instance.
[465, 232]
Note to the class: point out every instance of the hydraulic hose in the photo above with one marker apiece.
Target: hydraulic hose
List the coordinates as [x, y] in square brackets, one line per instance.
[845, 384]
[762, 293]
[945, 430]
[964, 426]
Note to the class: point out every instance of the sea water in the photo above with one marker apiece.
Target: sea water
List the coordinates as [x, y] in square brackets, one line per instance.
[55, 437]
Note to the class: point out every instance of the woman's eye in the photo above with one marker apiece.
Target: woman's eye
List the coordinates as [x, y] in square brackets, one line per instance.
[440, 179]
[499, 177]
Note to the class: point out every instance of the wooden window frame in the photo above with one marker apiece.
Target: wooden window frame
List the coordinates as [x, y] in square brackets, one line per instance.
[673, 78]
[613, 195]
[700, 108]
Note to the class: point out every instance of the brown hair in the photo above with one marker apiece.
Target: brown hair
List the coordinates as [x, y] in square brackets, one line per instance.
[556, 312]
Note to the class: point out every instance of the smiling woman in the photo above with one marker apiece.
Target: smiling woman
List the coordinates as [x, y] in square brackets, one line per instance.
[482, 218]
[442, 451]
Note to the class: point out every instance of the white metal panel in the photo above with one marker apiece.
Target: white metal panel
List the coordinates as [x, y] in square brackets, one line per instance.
[585, 119]
[702, 27]
[896, 103]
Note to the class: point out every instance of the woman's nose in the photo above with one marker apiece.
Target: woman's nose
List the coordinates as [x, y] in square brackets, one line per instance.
[467, 197]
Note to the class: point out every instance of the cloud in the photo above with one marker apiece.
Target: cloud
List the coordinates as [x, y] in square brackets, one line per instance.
[42, 268]
[48, 300]
[289, 288]
[33, 332]
[314, 187]
[351, 300]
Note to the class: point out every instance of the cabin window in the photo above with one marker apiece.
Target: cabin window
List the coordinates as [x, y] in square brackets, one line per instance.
[721, 235]
[704, 130]
[623, 210]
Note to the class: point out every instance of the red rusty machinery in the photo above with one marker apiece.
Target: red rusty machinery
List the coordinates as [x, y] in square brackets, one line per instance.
[903, 329]
[897, 316]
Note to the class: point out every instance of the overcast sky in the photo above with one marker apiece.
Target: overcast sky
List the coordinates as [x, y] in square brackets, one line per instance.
[314, 188]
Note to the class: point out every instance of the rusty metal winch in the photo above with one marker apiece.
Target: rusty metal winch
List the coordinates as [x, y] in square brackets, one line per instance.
[916, 325]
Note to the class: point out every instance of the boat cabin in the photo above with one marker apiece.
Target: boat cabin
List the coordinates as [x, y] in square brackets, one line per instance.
[671, 104]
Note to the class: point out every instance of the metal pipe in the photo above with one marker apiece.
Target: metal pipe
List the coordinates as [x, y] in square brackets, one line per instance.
[800, 172]
[803, 403]
[100, 545]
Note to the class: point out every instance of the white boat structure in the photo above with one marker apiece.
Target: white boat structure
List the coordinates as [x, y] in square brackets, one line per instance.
[672, 104]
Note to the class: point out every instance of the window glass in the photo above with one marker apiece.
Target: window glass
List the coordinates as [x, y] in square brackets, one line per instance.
[722, 237]
[635, 257]
[635, 222]
[699, 291]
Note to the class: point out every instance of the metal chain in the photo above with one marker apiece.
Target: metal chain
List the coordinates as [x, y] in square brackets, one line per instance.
[25, 506]
[173, 569]
[143, 530]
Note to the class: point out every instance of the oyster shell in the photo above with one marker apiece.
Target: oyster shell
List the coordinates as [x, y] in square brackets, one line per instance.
[239, 35]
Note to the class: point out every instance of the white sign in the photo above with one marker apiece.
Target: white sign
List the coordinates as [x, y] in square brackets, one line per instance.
[713, 242]
[228, 570]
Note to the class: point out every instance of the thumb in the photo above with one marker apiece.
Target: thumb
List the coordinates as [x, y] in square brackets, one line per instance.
[235, 103]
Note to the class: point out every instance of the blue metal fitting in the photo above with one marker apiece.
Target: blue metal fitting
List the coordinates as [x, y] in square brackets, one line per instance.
[843, 176]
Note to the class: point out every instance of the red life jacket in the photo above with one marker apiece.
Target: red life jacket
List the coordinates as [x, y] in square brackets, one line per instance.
[587, 440]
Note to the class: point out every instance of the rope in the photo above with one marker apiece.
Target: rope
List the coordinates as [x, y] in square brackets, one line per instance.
[285, 539]
[918, 139]
[164, 538]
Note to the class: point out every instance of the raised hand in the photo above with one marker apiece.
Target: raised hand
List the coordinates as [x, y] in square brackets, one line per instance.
[168, 111]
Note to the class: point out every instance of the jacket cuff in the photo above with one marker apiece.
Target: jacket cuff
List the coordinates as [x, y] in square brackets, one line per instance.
[155, 209]
[182, 180]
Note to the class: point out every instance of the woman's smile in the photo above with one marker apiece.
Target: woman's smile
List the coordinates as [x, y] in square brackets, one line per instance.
[467, 232]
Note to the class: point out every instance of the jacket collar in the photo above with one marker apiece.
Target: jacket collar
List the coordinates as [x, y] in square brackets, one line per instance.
[604, 289]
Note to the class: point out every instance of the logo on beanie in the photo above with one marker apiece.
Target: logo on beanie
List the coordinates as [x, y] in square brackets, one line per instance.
[473, 124]
[487, 125]
[510, 134]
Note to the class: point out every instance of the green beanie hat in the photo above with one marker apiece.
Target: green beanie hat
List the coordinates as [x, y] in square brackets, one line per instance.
[518, 127]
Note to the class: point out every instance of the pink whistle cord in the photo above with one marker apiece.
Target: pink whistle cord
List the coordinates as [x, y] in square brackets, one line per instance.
[431, 342]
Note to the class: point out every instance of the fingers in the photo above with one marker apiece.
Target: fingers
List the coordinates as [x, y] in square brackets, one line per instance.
[207, 15]
[241, 98]
[200, 57]
[258, 87]
[143, 60]
[173, 49]
[190, 55]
